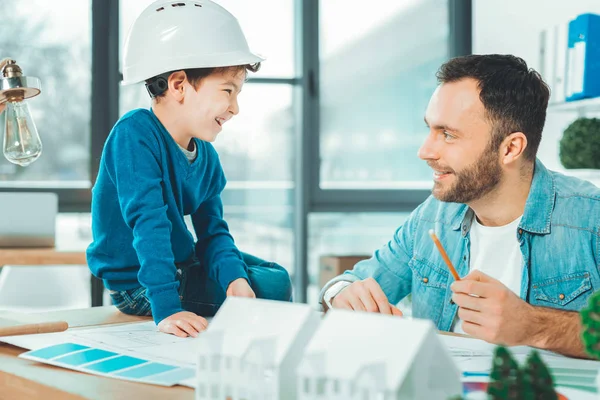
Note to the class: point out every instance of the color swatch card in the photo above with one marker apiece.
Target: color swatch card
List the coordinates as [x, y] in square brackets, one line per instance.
[111, 364]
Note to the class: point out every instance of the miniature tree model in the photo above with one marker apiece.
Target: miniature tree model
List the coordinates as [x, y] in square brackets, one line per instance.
[590, 317]
[505, 378]
[538, 381]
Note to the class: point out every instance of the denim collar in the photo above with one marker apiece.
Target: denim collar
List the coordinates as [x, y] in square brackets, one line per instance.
[540, 202]
[538, 207]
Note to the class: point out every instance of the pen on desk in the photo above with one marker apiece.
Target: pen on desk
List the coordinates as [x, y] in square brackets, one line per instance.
[438, 244]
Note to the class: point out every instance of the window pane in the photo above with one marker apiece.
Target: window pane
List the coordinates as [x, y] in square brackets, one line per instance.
[378, 69]
[341, 234]
[54, 44]
[269, 29]
[271, 37]
[256, 149]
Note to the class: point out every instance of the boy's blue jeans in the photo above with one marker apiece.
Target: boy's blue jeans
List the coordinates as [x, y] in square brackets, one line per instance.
[202, 295]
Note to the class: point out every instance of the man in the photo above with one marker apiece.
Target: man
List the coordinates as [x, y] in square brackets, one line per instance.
[526, 240]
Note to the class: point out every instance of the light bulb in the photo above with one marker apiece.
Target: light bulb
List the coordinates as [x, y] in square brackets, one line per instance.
[22, 144]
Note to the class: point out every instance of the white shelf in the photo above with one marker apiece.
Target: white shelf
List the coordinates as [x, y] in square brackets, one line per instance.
[579, 106]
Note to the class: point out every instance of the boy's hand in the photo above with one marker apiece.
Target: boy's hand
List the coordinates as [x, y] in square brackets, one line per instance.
[182, 324]
[240, 288]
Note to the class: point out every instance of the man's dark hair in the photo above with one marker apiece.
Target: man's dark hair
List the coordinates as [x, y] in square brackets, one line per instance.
[515, 97]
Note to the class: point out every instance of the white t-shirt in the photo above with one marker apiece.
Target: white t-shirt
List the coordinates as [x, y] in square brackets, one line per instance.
[495, 251]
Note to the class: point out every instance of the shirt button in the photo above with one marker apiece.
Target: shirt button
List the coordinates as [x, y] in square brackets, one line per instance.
[180, 297]
[561, 296]
[425, 280]
[520, 231]
[179, 271]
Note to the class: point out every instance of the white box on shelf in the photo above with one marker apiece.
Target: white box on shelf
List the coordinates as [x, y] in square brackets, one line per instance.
[553, 62]
[356, 355]
[251, 349]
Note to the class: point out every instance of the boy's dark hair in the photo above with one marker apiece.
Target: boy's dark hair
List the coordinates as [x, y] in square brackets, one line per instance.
[515, 97]
[157, 85]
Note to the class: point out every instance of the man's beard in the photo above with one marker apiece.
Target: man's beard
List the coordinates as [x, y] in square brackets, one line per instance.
[472, 183]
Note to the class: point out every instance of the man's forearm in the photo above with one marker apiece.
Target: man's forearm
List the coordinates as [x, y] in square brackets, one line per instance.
[558, 331]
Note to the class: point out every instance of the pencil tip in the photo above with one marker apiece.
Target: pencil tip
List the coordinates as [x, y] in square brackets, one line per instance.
[431, 232]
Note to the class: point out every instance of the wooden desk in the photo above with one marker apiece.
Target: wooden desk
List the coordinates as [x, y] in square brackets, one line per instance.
[24, 379]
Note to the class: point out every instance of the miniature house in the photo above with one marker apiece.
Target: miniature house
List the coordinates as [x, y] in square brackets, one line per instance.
[357, 355]
[252, 348]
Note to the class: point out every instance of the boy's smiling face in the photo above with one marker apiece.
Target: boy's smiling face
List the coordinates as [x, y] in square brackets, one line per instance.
[214, 102]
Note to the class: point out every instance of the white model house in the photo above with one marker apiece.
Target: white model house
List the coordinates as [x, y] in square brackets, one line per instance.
[251, 349]
[357, 355]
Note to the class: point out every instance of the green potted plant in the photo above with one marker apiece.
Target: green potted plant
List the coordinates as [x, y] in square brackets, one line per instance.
[579, 149]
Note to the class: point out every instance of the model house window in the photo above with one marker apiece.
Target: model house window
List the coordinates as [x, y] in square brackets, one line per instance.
[307, 385]
[215, 363]
[336, 386]
[321, 385]
[201, 391]
[214, 391]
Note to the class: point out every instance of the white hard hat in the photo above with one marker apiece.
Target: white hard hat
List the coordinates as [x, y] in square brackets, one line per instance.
[175, 35]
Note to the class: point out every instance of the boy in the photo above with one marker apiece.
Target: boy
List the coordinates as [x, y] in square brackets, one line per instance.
[158, 165]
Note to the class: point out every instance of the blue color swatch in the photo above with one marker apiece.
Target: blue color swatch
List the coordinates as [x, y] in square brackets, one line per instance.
[146, 370]
[175, 376]
[115, 364]
[84, 357]
[99, 361]
[58, 350]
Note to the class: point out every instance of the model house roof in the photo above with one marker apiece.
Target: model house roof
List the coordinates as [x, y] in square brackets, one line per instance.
[244, 322]
[347, 343]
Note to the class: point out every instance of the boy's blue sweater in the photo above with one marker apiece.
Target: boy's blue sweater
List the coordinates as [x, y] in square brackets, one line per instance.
[144, 188]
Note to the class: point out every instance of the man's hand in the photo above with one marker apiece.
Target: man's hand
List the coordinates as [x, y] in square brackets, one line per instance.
[496, 315]
[240, 288]
[365, 295]
[182, 324]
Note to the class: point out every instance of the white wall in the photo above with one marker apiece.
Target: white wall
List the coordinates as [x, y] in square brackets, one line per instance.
[514, 26]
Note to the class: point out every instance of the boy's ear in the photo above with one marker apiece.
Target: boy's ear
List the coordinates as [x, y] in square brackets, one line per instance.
[176, 85]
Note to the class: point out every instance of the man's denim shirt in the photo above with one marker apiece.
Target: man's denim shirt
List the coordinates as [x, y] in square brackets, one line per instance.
[559, 236]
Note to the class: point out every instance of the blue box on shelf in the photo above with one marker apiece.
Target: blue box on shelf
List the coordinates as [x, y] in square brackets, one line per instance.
[583, 58]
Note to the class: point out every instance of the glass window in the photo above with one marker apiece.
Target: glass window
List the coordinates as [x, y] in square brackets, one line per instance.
[377, 71]
[269, 29]
[257, 153]
[54, 44]
[341, 234]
